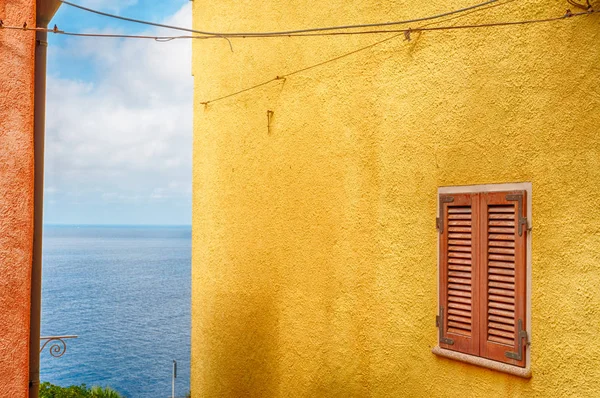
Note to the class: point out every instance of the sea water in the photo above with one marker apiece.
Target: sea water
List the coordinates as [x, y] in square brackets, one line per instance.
[125, 291]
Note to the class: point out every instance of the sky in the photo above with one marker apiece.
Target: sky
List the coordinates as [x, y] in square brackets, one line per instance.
[119, 118]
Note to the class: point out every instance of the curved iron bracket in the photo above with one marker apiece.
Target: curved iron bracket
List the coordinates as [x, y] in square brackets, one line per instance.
[58, 346]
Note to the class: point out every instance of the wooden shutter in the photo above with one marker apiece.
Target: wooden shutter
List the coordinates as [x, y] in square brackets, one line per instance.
[458, 323]
[502, 287]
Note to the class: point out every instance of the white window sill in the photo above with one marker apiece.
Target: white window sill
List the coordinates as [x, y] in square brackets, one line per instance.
[485, 363]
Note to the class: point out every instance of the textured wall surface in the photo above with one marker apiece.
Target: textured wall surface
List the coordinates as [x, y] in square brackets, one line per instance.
[314, 240]
[16, 194]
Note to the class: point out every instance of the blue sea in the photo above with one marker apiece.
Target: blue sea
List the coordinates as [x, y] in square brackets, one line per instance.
[125, 291]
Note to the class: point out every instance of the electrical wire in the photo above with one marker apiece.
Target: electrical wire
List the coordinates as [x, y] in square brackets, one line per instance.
[398, 32]
[300, 70]
[279, 33]
[423, 28]
[402, 32]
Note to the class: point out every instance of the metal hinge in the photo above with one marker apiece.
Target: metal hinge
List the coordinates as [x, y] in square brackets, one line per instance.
[522, 219]
[439, 322]
[440, 220]
[520, 336]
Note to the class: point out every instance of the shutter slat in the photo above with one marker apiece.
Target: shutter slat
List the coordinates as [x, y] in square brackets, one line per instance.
[464, 222]
[503, 292]
[459, 248]
[457, 260]
[459, 254]
[501, 237]
[501, 257]
[459, 210]
[501, 271]
[500, 264]
[502, 319]
[460, 229]
[454, 311]
[457, 299]
[453, 286]
[457, 274]
[461, 319]
[454, 267]
[501, 278]
[499, 230]
[501, 223]
[459, 236]
[461, 293]
[461, 281]
[465, 326]
[502, 326]
[502, 216]
[502, 209]
[460, 306]
[502, 250]
[502, 306]
[507, 314]
[500, 243]
[501, 299]
[459, 242]
[497, 332]
[459, 216]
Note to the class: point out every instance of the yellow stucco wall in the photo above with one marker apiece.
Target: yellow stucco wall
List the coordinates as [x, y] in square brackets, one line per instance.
[314, 240]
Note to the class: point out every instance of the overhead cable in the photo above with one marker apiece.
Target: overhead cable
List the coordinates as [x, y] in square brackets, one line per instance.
[402, 32]
[279, 33]
[422, 28]
[205, 103]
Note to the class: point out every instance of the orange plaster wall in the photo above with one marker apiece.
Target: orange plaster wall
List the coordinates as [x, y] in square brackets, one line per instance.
[16, 194]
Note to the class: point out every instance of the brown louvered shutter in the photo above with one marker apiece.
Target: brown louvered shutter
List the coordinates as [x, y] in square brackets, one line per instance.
[458, 322]
[502, 287]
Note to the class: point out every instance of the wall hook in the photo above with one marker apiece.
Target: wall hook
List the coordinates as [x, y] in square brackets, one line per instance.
[269, 118]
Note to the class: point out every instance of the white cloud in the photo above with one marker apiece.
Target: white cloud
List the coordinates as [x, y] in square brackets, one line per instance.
[127, 135]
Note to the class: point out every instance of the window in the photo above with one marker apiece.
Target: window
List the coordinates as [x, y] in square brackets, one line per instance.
[483, 272]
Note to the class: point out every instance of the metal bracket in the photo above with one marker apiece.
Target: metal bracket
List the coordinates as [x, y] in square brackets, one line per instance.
[58, 346]
[439, 322]
[440, 219]
[521, 335]
[522, 220]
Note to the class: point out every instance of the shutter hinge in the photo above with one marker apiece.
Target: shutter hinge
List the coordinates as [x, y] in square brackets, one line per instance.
[437, 222]
[522, 335]
[439, 321]
[522, 219]
[440, 219]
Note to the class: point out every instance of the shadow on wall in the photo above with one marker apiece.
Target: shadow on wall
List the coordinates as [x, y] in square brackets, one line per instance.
[242, 353]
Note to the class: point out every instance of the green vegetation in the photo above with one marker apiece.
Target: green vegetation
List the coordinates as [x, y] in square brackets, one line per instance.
[48, 390]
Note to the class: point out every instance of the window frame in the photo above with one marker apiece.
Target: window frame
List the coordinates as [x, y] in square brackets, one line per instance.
[524, 372]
